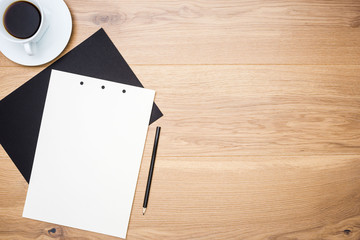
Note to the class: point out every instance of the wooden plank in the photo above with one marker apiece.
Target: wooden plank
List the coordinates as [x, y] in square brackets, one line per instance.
[223, 32]
[256, 110]
[245, 197]
[249, 110]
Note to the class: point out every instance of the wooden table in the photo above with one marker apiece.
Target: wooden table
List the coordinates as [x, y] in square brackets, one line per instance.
[261, 128]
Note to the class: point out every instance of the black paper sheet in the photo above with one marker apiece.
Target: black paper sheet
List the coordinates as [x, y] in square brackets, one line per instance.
[21, 111]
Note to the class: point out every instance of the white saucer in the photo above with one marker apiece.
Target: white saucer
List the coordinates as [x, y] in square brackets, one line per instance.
[51, 44]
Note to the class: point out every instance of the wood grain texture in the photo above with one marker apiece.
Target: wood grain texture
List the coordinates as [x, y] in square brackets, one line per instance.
[260, 134]
[224, 31]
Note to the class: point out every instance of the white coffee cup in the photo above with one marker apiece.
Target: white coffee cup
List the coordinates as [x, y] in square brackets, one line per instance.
[28, 43]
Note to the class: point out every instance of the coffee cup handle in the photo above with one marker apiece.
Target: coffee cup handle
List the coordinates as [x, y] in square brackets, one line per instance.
[29, 48]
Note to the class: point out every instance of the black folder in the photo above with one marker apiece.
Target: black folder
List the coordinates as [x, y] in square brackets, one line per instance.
[21, 111]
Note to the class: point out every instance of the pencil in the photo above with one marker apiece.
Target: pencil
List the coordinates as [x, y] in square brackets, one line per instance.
[151, 170]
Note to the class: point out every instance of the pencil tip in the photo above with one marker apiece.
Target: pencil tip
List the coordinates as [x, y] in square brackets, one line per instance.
[144, 210]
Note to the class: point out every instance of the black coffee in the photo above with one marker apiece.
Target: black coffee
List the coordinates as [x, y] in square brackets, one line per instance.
[22, 19]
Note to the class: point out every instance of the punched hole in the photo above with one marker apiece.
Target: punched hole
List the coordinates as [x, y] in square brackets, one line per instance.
[81, 83]
[103, 87]
[124, 91]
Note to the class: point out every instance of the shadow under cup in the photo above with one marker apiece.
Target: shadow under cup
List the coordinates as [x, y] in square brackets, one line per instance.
[22, 19]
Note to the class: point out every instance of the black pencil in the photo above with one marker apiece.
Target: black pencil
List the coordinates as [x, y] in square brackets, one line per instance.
[151, 170]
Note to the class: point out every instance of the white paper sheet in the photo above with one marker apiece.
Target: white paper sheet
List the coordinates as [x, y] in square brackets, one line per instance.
[88, 153]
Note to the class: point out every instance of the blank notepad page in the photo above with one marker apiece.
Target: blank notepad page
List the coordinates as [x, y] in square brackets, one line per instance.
[88, 153]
